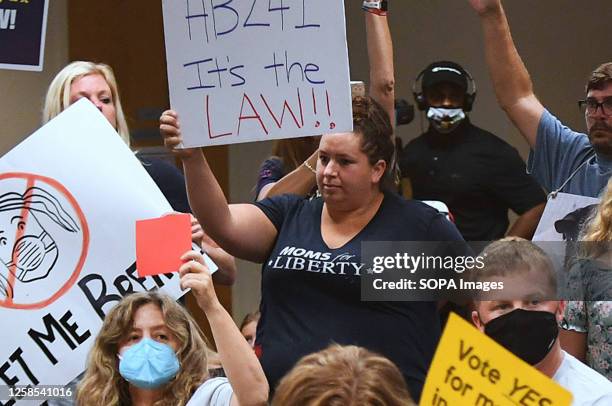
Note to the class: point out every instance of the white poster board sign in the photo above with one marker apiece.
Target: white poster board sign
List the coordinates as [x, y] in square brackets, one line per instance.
[251, 70]
[556, 209]
[69, 198]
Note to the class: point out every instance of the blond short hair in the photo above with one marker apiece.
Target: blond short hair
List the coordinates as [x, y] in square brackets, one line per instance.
[341, 376]
[58, 93]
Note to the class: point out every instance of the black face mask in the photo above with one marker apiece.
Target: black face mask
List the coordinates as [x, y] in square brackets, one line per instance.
[528, 334]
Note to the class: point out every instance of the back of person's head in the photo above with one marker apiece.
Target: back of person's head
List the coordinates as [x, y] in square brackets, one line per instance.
[248, 327]
[294, 151]
[343, 376]
[58, 93]
[373, 123]
[600, 77]
[102, 383]
[252, 317]
[520, 261]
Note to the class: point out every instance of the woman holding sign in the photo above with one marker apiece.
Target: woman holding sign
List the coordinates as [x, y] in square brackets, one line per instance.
[97, 83]
[311, 249]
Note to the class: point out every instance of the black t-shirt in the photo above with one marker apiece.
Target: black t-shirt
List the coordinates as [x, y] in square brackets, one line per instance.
[169, 180]
[476, 174]
[311, 294]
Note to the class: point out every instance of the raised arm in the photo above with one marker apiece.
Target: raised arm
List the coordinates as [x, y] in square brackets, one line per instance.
[300, 181]
[380, 59]
[241, 229]
[511, 81]
[526, 224]
[382, 89]
[238, 359]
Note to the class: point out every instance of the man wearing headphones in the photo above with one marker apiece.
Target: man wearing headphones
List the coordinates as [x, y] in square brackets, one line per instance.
[476, 174]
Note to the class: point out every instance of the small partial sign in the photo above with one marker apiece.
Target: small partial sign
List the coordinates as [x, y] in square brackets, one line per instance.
[23, 24]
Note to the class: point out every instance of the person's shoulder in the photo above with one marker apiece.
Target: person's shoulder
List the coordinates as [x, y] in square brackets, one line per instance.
[271, 167]
[286, 206]
[487, 138]
[584, 382]
[214, 392]
[291, 200]
[415, 142]
[549, 123]
[273, 161]
[156, 163]
[410, 208]
[420, 220]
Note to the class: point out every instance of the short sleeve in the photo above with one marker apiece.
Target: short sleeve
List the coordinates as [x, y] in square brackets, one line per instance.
[440, 229]
[276, 208]
[213, 392]
[575, 317]
[513, 185]
[558, 152]
[270, 171]
[170, 181]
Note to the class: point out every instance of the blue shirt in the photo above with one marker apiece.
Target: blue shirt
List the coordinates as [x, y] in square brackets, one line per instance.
[559, 152]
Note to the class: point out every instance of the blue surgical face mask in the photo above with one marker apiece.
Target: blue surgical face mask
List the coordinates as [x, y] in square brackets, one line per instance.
[445, 120]
[148, 364]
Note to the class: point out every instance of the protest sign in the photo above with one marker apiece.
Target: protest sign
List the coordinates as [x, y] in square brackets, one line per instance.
[557, 209]
[469, 368]
[70, 195]
[250, 70]
[23, 24]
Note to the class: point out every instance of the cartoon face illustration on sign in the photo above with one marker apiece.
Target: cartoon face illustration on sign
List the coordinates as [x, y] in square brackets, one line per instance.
[36, 267]
[26, 248]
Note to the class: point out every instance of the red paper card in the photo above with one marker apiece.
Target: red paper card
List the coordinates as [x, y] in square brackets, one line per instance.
[160, 243]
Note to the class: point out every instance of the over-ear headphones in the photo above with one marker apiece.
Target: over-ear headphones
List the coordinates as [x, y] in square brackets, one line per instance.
[419, 97]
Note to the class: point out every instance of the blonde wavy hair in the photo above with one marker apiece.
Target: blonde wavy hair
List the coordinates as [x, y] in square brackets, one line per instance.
[341, 376]
[102, 383]
[58, 93]
[598, 228]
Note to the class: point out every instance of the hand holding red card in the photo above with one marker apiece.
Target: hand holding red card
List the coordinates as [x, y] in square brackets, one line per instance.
[160, 243]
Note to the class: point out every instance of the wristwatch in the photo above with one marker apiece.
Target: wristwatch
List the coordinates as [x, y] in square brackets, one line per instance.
[379, 7]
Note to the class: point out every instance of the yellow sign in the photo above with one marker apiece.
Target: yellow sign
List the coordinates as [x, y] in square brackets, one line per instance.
[471, 369]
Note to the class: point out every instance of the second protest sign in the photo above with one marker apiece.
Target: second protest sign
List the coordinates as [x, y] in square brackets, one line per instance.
[250, 70]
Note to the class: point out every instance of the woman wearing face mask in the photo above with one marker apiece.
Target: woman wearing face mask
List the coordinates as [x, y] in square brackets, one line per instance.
[150, 351]
[96, 82]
